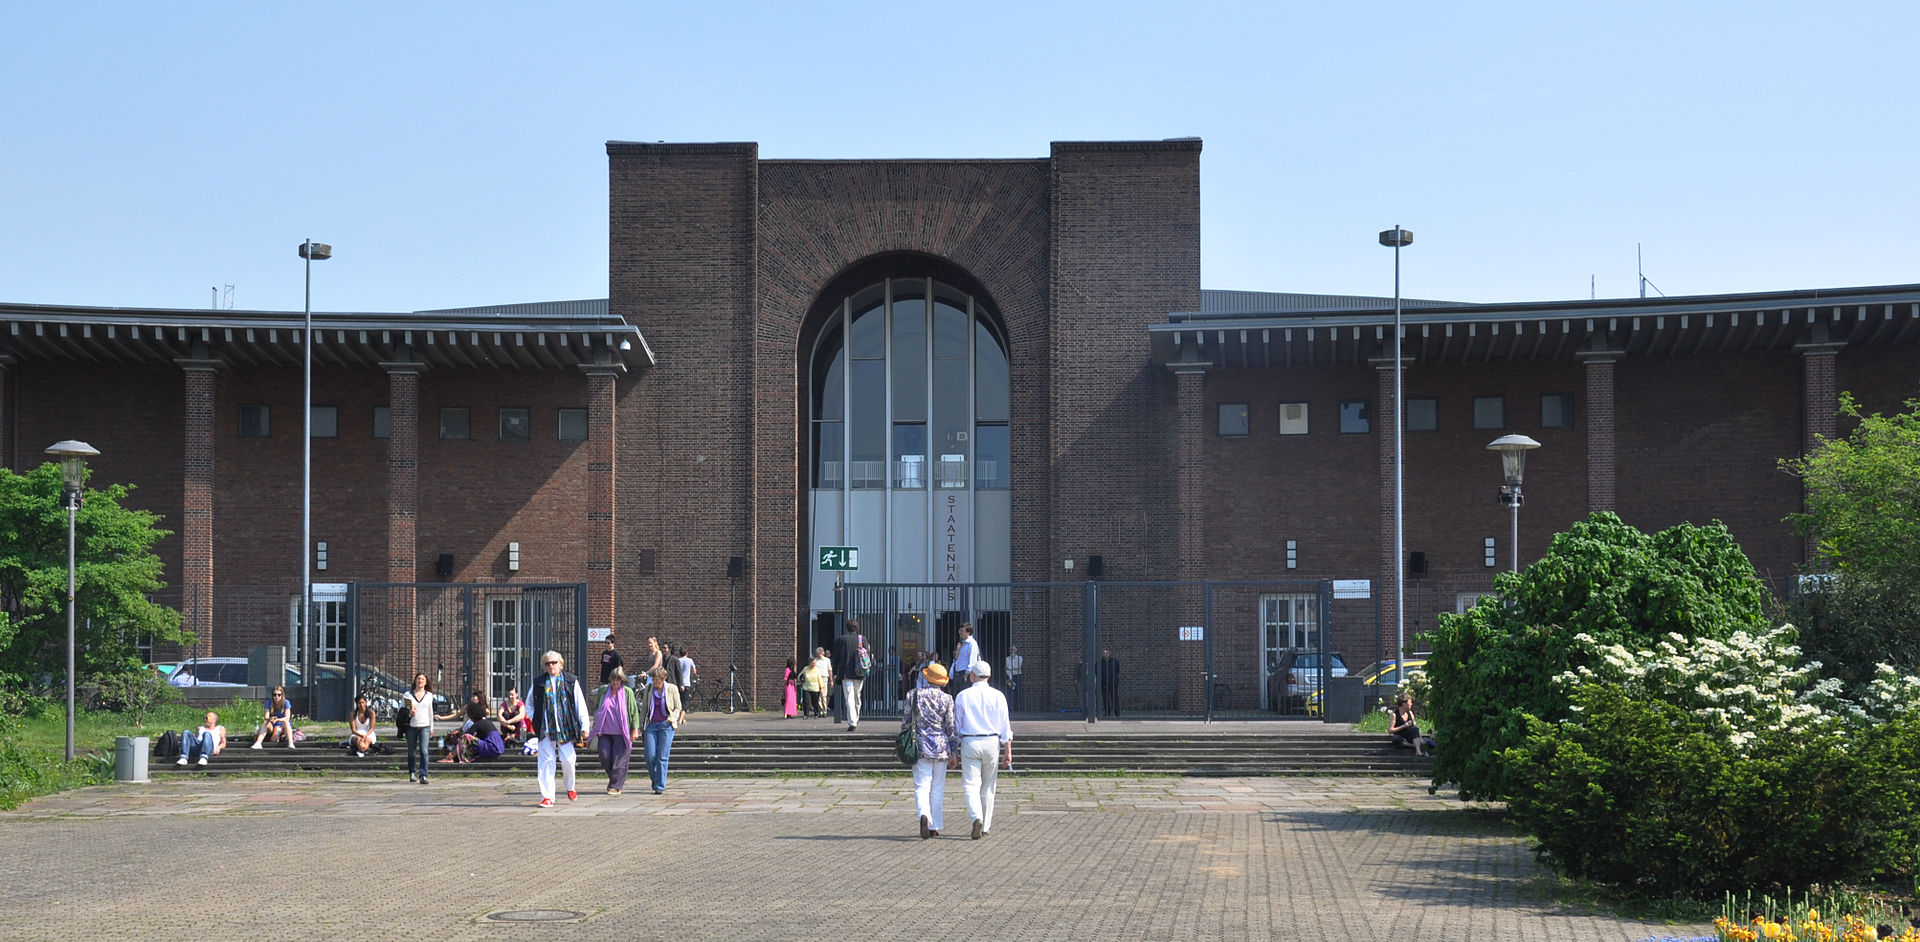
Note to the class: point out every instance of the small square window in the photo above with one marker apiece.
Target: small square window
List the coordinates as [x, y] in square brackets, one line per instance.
[1423, 415]
[1293, 418]
[256, 421]
[382, 422]
[453, 423]
[1489, 412]
[1556, 411]
[1233, 419]
[573, 425]
[1356, 416]
[326, 421]
[515, 424]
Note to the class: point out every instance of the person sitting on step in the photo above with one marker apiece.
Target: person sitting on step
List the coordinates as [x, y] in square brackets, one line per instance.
[202, 743]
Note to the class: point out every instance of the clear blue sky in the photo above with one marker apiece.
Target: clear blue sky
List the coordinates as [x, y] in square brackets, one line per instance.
[453, 153]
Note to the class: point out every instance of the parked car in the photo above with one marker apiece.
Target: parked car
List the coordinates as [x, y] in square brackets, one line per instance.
[382, 690]
[1294, 673]
[219, 672]
[1378, 675]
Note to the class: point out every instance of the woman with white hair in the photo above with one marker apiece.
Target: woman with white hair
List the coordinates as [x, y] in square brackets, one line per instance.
[558, 710]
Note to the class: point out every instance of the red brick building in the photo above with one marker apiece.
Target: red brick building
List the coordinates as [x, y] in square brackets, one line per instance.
[977, 372]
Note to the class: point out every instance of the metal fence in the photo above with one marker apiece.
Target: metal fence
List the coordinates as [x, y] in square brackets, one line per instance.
[463, 636]
[1241, 649]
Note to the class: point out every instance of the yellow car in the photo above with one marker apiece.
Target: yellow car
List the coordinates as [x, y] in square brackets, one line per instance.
[1377, 674]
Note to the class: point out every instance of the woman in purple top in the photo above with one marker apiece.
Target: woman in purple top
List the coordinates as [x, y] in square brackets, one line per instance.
[616, 724]
[928, 711]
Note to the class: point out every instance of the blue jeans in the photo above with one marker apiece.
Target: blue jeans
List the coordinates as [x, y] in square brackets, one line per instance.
[196, 743]
[417, 750]
[659, 746]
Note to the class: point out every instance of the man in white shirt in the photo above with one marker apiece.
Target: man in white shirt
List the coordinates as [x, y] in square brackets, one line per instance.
[986, 741]
[1014, 664]
[967, 653]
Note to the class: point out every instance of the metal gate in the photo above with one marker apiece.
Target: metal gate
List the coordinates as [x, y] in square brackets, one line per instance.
[465, 637]
[1239, 649]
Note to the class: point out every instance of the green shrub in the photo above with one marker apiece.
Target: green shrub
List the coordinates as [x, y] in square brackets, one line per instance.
[136, 693]
[1494, 665]
[26, 772]
[1651, 796]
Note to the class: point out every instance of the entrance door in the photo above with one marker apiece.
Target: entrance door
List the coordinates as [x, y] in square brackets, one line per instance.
[329, 626]
[517, 629]
[1287, 620]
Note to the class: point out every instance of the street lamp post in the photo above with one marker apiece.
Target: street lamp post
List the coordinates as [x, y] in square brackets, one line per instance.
[1513, 459]
[311, 251]
[1398, 238]
[73, 471]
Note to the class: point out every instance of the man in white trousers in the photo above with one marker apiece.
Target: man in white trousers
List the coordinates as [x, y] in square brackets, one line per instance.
[558, 710]
[986, 743]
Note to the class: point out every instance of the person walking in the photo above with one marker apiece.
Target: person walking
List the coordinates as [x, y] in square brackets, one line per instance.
[823, 667]
[662, 704]
[616, 724]
[928, 711]
[789, 682]
[1015, 664]
[418, 707]
[610, 660]
[986, 741]
[557, 708]
[1109, 684]
[965, 654]
[850, 663]
[689, 676]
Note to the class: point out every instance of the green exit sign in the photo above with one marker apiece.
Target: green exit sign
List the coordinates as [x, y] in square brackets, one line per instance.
[839, 558]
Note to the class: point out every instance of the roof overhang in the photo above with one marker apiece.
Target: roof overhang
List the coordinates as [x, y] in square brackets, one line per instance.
[452, 340]
[1741, 323]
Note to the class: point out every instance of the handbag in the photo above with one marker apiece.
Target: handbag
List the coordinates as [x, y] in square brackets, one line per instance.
[907, 747]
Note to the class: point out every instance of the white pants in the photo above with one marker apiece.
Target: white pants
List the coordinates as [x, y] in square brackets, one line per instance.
[546, 751]
[930, 790]
[979, 771]
[850, 696]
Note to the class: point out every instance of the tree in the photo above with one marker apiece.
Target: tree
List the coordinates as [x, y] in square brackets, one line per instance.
[1494, 666]
[115, 567]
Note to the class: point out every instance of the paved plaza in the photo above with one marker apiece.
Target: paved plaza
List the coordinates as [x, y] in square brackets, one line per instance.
[791, 857]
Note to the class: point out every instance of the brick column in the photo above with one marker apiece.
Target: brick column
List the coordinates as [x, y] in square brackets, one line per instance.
[1190, 476]
[6, 429]
[196, 517]
[602, 441]
[403, 515]
[1820, 402]
[1602, 480]
[1385, 419]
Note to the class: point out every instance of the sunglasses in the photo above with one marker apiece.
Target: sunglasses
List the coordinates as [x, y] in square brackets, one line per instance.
[553, 663]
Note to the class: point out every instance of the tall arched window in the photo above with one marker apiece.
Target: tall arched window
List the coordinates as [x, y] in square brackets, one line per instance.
[909, 447]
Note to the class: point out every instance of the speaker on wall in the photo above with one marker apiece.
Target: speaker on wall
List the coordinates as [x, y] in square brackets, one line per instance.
[646, 563]
[1096, 566]
[445, 566]
[1417, 563]
[736, 566]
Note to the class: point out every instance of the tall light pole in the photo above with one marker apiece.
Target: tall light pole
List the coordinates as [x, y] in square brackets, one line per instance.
[1513, 461]
[73, 471]
[1398, 238]
[311, 251]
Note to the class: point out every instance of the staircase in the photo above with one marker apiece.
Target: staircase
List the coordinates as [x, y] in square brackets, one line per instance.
[1195, 750]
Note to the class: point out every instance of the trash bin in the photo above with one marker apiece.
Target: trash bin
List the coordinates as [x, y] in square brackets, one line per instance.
[1344, 699]
[130, 758]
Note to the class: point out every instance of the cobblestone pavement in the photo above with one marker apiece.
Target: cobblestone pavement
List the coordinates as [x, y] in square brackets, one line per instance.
[1069, 858]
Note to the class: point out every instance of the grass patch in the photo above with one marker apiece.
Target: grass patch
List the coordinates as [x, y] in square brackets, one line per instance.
[1375, 722]
[33, 747]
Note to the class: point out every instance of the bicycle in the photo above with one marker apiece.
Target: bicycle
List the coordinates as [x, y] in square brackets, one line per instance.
[728, 699]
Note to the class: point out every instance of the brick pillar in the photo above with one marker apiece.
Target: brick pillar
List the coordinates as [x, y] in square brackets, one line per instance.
[602, 449]
[1385, 419]
[6, 428]
[401, 646]
[1820, 402]
[1602, 480]
[1191, 482]
[196, 517]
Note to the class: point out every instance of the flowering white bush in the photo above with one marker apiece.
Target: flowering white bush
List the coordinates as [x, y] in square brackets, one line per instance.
[1747, 685]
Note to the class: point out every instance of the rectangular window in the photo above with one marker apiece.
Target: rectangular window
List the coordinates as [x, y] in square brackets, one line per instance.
[1423, 415]
[1293, 418]
[382, 422]
[255, 421]
[1356, 416]
[516, 425]
[1556, 411]
[454, 423]
[991, 458]
[326, 421]
[1489, 412]
[909, 455]
[573, 425]
[1233, 419]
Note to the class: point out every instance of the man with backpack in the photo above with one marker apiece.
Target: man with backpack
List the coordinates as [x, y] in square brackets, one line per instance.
[851, 662]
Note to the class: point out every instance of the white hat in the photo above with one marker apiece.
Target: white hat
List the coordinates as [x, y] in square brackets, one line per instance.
[981, 670]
